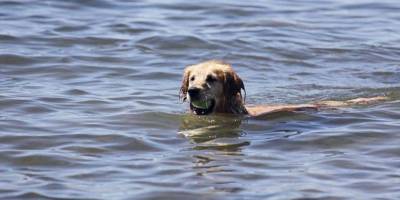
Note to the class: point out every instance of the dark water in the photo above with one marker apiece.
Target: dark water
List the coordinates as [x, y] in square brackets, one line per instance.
[89, 100]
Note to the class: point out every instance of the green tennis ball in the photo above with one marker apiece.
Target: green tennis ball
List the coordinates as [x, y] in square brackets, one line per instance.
[200, 104]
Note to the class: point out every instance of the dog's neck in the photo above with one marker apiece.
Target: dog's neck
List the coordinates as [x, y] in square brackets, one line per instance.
[239, 109]
[233, 105]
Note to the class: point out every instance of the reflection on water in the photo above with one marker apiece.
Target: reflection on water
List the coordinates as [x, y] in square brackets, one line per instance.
[227, 132]
[221, 132]
[210, 126]
[89, 100]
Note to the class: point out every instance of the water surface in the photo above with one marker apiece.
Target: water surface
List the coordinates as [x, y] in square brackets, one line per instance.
[89, 103]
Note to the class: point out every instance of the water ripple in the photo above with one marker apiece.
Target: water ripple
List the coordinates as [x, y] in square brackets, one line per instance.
[90, 109]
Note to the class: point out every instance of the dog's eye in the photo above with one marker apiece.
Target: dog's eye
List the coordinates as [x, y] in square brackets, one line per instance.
[210, 79]
[192, 78]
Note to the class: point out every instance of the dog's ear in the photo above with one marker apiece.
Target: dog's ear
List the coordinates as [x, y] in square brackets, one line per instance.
[233, 85]
[185, 85]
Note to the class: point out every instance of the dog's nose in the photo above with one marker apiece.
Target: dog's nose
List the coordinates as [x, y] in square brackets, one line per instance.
[194, 92]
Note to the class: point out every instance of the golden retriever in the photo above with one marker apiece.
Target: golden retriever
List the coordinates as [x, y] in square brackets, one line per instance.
[214, 87]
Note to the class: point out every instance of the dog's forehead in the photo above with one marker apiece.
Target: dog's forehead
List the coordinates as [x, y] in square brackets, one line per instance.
[209, 67]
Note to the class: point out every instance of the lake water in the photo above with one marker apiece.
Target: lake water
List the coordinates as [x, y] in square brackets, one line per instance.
[89, 103]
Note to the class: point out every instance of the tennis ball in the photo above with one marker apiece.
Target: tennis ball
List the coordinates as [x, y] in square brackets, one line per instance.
[200, 104]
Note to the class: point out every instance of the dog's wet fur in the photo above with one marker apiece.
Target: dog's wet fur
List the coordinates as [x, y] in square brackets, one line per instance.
[216, 83]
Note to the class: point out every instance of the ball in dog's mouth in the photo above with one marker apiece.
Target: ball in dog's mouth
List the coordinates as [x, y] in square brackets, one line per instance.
[202, 107]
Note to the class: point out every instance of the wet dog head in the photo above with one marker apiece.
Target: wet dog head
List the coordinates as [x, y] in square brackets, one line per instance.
[212, 87]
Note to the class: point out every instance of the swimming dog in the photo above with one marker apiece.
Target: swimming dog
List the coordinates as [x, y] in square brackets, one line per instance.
[214, 87]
